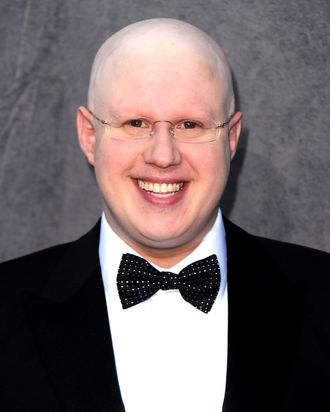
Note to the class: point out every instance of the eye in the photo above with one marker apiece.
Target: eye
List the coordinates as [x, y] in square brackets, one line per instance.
[137, 123]
[189, 124]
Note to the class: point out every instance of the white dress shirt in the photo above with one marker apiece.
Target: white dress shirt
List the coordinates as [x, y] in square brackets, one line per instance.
[169, 355]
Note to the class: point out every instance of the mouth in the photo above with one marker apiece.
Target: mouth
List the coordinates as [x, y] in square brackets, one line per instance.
[161, 189]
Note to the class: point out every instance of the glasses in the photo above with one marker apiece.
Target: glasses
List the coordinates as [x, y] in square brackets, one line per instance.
[135, 128]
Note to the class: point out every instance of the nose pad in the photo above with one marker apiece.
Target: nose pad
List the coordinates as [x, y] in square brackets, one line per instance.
[171, 130]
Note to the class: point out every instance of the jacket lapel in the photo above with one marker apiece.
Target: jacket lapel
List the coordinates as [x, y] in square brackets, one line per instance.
[71, 329]
[263, 326]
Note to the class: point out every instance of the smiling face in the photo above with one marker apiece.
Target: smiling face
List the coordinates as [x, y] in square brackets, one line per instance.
[160, 195]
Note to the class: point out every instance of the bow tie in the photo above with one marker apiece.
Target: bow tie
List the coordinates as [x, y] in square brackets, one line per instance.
[198, 282]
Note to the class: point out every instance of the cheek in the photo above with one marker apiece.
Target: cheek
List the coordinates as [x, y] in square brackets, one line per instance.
[112, 156]
[107, 166]
[213, 162]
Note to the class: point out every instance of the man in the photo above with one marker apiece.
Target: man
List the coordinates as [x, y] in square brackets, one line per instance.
[78, 334]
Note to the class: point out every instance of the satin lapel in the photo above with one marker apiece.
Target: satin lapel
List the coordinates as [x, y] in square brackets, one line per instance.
[263, 327]
[70, 325]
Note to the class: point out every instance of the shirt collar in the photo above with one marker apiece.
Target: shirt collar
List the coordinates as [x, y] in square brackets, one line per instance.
[112, 247]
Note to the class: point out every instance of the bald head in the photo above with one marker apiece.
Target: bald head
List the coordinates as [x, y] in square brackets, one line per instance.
[161, 43]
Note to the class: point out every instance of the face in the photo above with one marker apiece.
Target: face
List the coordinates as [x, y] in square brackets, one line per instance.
[160, 196]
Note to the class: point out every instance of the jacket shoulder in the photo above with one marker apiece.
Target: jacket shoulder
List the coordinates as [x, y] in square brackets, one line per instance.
[298, 260]
[299, 263]
[30, 270]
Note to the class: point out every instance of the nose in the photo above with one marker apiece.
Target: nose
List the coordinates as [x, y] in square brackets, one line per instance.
[161, 149]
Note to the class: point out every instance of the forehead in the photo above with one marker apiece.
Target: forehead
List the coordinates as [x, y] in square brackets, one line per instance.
[161, 73]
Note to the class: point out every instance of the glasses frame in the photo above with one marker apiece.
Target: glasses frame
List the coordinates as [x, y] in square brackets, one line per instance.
[172, 126]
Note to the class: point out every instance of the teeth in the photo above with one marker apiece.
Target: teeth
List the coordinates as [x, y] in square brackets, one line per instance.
[160, 187]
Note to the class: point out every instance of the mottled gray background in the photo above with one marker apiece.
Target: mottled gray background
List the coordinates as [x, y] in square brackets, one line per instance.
[279, 51]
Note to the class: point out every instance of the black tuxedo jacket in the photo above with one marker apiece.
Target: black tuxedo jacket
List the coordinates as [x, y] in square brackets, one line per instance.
[56, 351]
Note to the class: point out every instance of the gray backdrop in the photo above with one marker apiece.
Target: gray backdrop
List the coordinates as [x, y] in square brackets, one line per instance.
[279, 51]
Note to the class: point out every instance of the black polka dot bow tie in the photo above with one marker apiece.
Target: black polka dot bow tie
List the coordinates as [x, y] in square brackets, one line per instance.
[198, 283]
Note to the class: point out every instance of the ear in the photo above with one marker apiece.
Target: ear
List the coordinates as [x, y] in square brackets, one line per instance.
[235, 127]
[86, 133]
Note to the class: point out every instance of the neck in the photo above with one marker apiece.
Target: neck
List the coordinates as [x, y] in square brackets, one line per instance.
[165, 258]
